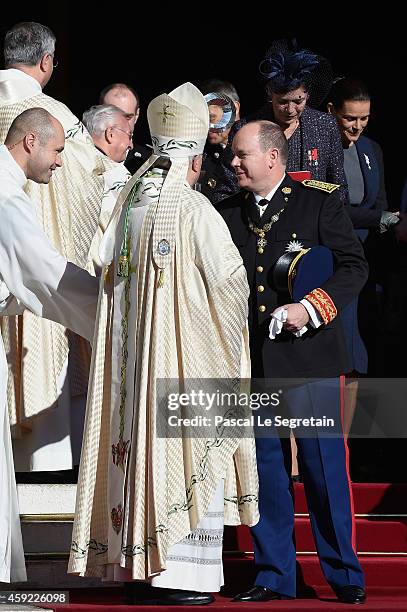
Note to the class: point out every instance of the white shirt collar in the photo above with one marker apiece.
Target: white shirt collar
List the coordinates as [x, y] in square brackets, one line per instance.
[17, 172]
[16, 74]
[268, 197]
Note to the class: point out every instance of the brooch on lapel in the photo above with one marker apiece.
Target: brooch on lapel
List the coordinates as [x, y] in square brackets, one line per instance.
[367, 160]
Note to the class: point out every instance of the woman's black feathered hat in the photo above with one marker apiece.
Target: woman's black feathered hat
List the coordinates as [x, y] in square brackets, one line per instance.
[286, 67]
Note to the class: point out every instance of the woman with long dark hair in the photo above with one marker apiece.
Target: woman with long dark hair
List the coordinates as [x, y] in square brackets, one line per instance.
[349, 102]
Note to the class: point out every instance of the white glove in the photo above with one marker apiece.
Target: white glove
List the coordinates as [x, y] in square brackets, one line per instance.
[278, 319]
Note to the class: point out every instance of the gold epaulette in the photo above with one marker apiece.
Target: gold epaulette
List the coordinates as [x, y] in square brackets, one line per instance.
[321, 185]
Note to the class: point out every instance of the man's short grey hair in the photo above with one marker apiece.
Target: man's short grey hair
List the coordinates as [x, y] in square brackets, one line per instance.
[100, 117]
[33, 120]
[271, 136]
[27, 43]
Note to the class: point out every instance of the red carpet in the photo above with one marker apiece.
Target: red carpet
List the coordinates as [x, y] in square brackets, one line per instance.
[378, 498]
[381, 530]
[384, 529]
[380, 572]
[103, 602]
[372, 536]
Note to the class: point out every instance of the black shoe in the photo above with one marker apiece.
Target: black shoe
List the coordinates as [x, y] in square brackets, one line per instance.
[135, 590]
[172, 597]
[258, 593]
[351, 594]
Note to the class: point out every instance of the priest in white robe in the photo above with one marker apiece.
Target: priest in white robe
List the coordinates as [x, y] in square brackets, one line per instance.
[47, 396]
[173, 306]
[33, 275]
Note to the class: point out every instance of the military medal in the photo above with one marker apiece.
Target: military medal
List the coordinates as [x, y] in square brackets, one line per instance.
[313, 157]
[261, 231]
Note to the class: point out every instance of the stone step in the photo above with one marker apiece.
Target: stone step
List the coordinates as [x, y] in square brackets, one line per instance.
[47, 499]
[374, 499]
[50, 572]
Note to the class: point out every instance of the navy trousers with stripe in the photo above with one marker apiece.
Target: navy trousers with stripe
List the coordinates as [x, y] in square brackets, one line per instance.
[323, 461]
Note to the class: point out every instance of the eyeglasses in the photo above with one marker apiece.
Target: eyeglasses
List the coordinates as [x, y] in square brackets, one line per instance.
[129, 134]
[54, 62]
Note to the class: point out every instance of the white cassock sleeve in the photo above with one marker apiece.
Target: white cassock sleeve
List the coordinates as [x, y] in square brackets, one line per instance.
[37, 276]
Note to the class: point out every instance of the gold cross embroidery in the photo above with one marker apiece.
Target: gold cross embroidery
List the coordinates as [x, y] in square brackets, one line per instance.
[165, 113]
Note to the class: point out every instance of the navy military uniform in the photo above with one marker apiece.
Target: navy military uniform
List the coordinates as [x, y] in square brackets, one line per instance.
[306, 217]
